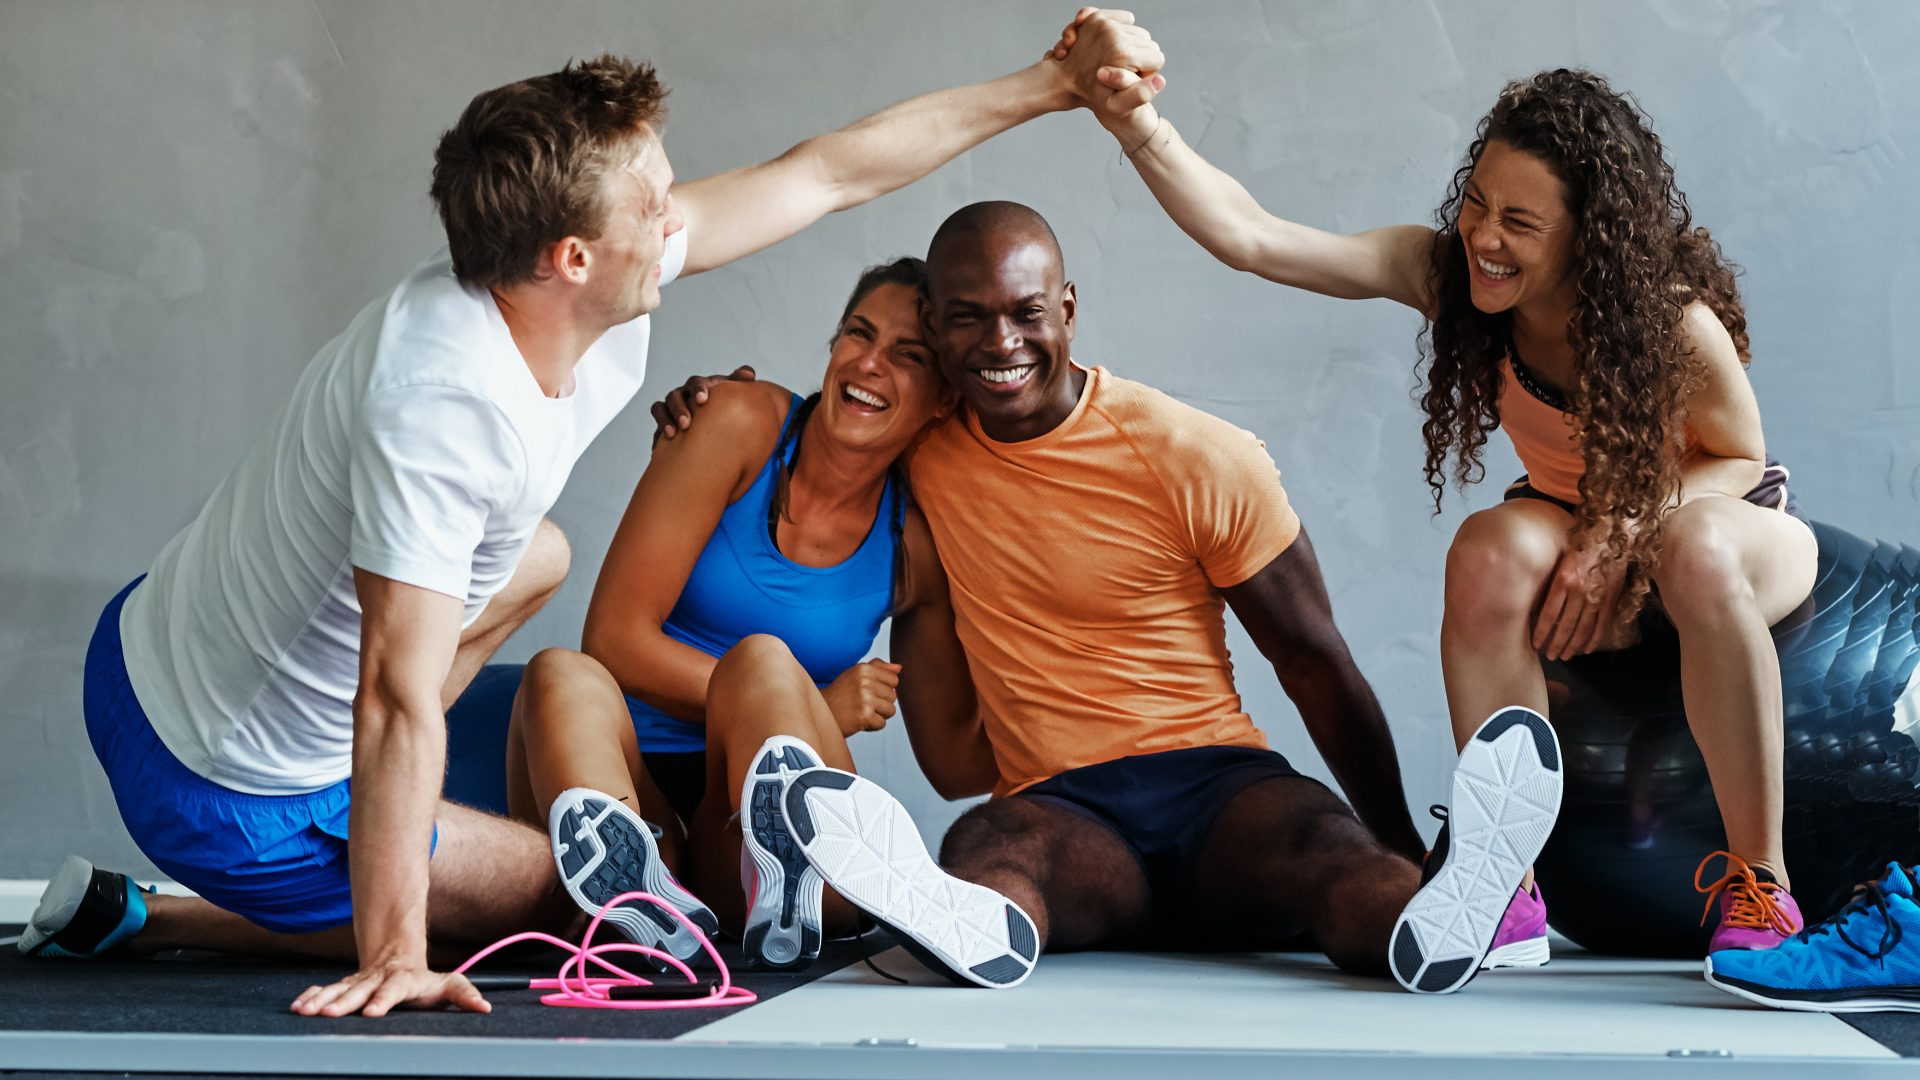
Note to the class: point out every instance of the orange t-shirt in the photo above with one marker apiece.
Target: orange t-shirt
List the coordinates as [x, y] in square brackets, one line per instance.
[1086, 566]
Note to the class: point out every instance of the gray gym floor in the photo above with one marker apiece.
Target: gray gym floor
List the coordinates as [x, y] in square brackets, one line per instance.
[1095, 1015]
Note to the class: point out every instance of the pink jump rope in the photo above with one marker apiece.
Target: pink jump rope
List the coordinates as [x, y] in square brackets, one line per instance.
[573, 988]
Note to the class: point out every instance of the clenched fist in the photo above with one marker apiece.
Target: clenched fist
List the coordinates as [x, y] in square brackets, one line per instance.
[861, 699]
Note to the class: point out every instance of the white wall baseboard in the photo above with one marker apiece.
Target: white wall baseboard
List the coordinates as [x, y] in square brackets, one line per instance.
[18, 896]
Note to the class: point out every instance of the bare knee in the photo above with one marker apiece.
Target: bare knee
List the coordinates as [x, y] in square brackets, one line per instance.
[553, 677]
[544, 565]
[756, 664]
[756, 658]
[1496, 566]
[1699, 572]
[1002, 834]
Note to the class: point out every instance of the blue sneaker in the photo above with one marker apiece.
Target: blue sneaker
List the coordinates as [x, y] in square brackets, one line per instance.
[85, 911]
[1860, 960]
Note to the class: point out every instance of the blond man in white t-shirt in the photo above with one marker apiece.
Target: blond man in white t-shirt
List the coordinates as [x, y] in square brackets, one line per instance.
[268, 699]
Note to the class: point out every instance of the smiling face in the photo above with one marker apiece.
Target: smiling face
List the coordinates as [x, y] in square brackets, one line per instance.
[625, 266]
[1517, 231]
[881, 386]
[1002, 319]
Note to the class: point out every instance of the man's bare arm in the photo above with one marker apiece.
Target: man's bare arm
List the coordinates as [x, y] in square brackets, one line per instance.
[936, 695]
[737, 213]
[1286, 610]
[408, 638]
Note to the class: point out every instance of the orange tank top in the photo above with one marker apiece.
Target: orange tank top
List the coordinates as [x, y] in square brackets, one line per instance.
[1542, 436]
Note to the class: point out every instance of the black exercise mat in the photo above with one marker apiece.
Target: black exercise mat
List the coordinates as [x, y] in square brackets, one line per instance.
[1897, 1031]
[210, 994]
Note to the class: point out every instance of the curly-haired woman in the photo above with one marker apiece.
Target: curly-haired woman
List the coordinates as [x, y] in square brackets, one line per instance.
[1570, 301]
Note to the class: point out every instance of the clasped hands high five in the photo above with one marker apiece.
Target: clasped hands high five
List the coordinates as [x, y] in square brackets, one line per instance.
[1112, 63]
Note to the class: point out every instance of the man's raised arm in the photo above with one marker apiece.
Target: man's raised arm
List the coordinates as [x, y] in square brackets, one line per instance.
[736, 213]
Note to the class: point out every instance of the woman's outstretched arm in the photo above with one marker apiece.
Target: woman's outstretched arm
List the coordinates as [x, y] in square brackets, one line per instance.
[1219, 213]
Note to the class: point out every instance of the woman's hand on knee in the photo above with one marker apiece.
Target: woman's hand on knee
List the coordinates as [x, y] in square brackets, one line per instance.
[862, 697]
[1582, 601]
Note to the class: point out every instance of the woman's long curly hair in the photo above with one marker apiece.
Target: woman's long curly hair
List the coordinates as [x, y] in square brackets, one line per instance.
[1638, 262]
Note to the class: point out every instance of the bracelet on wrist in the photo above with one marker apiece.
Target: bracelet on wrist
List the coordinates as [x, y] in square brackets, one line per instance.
[1151, 135]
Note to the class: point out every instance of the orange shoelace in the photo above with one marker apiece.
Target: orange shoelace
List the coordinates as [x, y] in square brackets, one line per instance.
[1751, 903]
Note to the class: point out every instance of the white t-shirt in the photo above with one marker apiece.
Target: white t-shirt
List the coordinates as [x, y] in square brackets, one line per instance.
[417, 446]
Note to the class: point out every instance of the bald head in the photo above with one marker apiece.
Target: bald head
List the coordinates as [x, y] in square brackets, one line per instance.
[1000, 316]
[993, 229]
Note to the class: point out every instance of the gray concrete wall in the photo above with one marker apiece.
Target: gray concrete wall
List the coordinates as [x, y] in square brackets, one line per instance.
[195, 195]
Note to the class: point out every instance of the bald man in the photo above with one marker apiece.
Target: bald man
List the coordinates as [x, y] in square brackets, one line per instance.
[1093, 531]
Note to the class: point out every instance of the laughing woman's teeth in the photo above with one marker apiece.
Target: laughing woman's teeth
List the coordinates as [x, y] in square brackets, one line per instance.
[865, 398]
[1005, 375]
[1495, 270]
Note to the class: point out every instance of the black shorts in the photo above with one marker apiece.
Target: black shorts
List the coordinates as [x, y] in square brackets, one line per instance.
[681, 777]
[1771, 493]
[1163, 806]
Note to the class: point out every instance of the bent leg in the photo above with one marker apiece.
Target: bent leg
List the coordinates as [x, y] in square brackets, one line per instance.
[489, 877]
[1075, 877]
[1286, 856]
[1728, 570]
[570, 728]
[757, 691]
[542, 570]
[1496, 571]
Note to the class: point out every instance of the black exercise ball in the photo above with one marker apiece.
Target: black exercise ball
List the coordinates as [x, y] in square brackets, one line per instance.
[1639, 813]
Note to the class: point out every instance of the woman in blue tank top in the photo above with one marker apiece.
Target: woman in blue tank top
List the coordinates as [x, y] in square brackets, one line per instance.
[758, 553]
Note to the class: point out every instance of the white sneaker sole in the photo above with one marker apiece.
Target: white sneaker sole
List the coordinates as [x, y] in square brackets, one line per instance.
[783, 890]
[603, 848]
[1506, 796]
[865, 845]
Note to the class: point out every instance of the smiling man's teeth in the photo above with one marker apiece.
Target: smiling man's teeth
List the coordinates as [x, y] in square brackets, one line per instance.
[1005, 375]
[1495, 270]
[866, 398]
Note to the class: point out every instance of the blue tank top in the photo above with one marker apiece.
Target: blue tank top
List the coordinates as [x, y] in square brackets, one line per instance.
[742, 584]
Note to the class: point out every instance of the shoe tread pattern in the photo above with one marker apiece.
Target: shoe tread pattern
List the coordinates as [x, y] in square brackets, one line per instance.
[1506, 797]
[782, 931]
[866, 846]
[602, 852]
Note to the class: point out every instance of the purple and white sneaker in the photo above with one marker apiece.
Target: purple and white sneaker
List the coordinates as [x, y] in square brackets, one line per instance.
[1506, 797]
[1755, 912]
[1521, 940]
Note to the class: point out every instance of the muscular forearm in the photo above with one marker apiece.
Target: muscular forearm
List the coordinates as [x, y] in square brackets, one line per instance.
[901, 143]
[952, 751]
[1349, 728]
[399, 758]
[656, 669]
[939, 707]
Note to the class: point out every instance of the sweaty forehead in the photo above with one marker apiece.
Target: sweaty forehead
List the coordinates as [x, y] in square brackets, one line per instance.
[999, 263]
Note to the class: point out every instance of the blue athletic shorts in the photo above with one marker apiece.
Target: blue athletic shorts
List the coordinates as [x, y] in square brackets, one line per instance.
[278, 860]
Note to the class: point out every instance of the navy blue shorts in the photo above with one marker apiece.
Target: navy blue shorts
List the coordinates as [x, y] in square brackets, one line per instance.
[280, 861]
[1163, 806]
